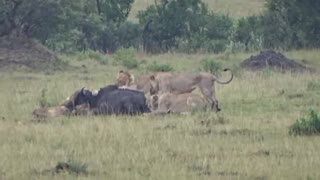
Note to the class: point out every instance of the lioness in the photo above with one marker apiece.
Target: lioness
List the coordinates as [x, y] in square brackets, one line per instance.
[186, 83]
[127, 80]
[67, 108]
[177, 103]
[51, 112]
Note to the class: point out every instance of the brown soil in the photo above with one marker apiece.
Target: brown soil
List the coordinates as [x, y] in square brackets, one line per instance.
[273, 60]
[24, 53]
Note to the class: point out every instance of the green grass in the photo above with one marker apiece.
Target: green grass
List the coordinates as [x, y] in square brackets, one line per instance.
[234, 8]
[249, 139]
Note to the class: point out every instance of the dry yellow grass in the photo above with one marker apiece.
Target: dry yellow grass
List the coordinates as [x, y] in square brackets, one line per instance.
[247, 140]
[237, 8]
[234, 8]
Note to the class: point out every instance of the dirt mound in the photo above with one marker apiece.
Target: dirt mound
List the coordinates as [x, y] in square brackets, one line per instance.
[22, 52]
[273, 60]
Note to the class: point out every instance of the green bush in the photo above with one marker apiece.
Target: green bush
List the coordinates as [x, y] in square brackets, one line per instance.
[129, 35]
[103, 61]
[92, 55]
[216, 46]
[306, 126]
[235, 47]
[155, 67]
[72, 167]
[291, 24]
[313, 86]
[130, 63]
[95, 55]
[44, 102]
[186, 25]
[127, 57]
[79, 56]
[78, 167]
[248, 31]
[210, 65]
[193, 44]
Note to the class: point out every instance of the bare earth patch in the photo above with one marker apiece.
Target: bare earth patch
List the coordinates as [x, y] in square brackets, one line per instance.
[24, 53]
[274, 60]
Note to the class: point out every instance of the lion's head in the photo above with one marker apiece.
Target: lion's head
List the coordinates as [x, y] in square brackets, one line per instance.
[124, 78]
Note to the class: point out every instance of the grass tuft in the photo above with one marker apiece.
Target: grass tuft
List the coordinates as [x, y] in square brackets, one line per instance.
[209, 65]
[306, 126]
[155, 67]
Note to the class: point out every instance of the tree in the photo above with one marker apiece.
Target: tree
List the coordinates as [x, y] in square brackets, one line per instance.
[172, 24]
[297, 23]
[24, 17]
[66, 25]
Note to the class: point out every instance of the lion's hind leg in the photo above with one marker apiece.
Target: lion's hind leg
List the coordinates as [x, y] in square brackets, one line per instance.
[209, 95]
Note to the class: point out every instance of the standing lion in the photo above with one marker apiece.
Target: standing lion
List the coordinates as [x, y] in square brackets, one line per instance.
[166, 82]
[186, 83]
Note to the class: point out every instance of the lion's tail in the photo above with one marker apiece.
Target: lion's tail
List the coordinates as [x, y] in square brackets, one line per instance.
[228, 81]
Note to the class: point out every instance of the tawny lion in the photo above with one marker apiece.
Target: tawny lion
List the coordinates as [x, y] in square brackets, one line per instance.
[164, 82]
[186, 83]
[177, 103]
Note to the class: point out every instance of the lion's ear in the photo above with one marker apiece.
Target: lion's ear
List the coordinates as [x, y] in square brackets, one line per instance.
[121, 71]
[152, 77]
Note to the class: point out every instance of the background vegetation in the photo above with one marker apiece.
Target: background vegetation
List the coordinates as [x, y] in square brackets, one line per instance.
[252, 138]
[178, 25]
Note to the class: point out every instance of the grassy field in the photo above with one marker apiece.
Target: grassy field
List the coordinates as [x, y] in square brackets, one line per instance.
[248, 140]
[234, 8]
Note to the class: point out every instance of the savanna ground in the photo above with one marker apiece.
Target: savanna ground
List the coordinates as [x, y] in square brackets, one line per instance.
[248, 140]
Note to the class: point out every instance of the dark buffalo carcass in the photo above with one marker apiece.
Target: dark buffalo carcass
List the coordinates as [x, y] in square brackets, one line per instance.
[112, 100]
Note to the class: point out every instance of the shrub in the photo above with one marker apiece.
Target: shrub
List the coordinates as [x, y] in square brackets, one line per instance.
[130, 63]
[129, 34]
[78, 167]
[79, 56]
[127, 57]
[218, 27]
[313, 86]
[66, 42]
[192, 44]
[186, 25]
[215, 46]
[160, 67]
[235, 47]
[44, 101]
[211, 66]
[292, 24]
[95, 55]
[248, 31]
[92, 55]
[103, 61]
[306, 126]
[201, 43]
[73, 167]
